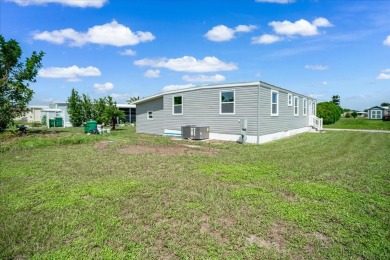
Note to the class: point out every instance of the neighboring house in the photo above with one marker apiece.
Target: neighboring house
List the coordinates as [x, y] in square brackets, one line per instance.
[33, 115]
[270, 112]
[63, 107]
[129, 110]
[361, 114]
[377, 112]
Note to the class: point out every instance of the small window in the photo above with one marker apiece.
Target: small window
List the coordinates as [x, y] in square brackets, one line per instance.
[227, 102]
[296, 106]
[177, 102]
[289, 100]
[150, 115]
[310, 107]
[274, 103]
[314, 108]
[304, 106]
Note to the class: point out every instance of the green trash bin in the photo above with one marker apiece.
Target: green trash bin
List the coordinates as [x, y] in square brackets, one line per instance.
[91, 126]
[51, 122]
[58, 121]
[85, 125]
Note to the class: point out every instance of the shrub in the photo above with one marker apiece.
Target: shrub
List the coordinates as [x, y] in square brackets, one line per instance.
[347, 115]
[354, 114]
[329, 112]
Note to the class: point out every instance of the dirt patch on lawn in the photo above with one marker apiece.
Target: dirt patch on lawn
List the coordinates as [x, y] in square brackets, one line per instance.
[173, 149]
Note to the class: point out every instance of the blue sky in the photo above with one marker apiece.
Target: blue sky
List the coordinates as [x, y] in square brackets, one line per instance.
[142, 47]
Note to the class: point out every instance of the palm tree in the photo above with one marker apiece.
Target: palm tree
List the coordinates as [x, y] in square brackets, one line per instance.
[132, 99]
[112, 112]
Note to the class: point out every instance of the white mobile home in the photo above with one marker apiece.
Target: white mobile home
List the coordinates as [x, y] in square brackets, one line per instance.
[270, 112]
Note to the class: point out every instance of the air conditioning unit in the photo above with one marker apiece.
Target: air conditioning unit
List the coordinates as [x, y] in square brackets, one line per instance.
[195, 132]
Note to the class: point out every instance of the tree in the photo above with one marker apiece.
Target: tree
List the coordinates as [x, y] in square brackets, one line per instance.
[87, 108]
[113, 112]
[99, 107]
[354, 114]
[132, 99]
[75, 108]
[385, 104]
[336, 100]
[15, 79]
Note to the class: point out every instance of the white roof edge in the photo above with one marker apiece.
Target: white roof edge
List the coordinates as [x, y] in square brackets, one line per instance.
[126, 105]
[227, 85]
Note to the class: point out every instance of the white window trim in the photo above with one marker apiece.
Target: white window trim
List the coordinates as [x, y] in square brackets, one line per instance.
[147, 115]
[304, 112]
[234, 102]
[296, 105]
[376, 112]
[310, 106]
[314, 108]
[173, 105]
[277, 103]
[288, 100]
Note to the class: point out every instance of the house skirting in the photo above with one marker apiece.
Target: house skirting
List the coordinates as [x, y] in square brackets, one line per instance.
[250, 138]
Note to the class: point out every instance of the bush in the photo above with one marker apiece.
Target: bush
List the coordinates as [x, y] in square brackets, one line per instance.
[329, 112]
[347, 115]
[354, 114]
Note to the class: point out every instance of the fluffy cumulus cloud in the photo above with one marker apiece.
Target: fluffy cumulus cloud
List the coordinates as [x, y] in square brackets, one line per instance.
[189, 64]
[127, 52]
[72, 73]
[73, 3]
[387, 41]
[176, 87]
[266, 39]
[223, 33]
[204, 78]
[103, 88]
[385, 74]
[113, 33]
[300, 27]
[316, 67]
[276, 1]
[152, 74]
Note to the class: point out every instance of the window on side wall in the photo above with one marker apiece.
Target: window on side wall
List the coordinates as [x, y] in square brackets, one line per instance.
[289, 100]
[227, 102]
[177, 103]
[150, 115]
[274, 103]
[305, 107]
[296, 106]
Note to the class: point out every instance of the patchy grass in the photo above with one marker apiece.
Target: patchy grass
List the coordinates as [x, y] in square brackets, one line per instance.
[319, 195]
[360, 123]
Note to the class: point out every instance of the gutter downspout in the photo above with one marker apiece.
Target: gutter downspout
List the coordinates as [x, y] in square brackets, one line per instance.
[258, 113]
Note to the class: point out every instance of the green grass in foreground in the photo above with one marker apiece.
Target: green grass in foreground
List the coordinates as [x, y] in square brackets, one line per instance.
[310, 196]
[360, 123]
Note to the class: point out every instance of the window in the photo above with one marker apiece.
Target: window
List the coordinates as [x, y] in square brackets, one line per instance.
[376, 114]
[289, 100]
[296, 106]
[274, 103]
[310, 107]
[304, 106]
[149, 115]
[314, 108]
[227, 102]
[177, 103]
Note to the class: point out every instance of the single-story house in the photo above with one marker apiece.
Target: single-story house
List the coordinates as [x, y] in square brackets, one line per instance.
[269, 112]
[129, 110]
[33, 115]
[377, 112]
[63, 107]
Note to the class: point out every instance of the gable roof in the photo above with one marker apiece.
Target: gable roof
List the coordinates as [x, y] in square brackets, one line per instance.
[228, 85]
[376, 108]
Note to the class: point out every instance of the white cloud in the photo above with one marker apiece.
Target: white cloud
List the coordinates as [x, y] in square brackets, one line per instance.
[204, 78]
[188, 64]
[316, 67]
[73, 3]
[325, 83]
[266, 39]
[385, 74]
[113, 33]
[152, 74]
[127, 52]
[72, 73]
[103, 88]
[222, 33]
[176, 87]
[120, 97]
[387, 41]
[276, 1]
[300, 27]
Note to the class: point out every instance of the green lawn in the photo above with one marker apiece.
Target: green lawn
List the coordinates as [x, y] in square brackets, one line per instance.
[131, 196]
[360, 123]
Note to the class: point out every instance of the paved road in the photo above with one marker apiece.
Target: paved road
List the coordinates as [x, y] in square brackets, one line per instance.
[358, 130]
